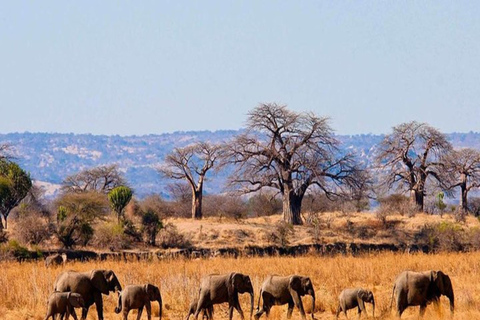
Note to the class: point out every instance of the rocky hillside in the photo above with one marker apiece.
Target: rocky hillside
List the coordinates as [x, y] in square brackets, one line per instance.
[50, 157]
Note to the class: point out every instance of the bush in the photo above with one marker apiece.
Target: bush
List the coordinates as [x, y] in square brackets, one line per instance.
[13, 249]
[393, 204]
[281, 234]
[262, 204]
[111, 235]
[3, 236]
[151, 224]
[169, 237]
[225, 206]
[474, 206]
[443, 236]
[32, 229]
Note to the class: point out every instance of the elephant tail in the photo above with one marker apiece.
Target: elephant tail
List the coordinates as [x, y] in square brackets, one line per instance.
[393, 293]
[118, 308]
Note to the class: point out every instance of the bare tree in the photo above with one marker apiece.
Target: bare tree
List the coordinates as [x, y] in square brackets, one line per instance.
[192, 163]
[464, 164]
[289, 152]
[410, 155]
[102, 179]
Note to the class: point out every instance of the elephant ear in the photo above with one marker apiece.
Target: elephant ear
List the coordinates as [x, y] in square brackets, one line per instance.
[233, 282]
[98, 280]
[362, 294]
[440, 281]
[295, 283]
[151, 292]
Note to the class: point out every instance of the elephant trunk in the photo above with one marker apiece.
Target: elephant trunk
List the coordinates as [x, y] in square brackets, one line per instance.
[118, 308]
[312, 293]
[251, 303]
[160, 308]
[373, 304]
[452, 301]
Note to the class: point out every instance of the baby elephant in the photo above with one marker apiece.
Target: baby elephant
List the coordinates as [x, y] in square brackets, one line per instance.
[136, 297]
[56, 260]
[62, 303]
[351, 298]
[207, 313]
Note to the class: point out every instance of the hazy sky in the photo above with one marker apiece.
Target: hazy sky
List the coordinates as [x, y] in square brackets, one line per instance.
[141, 67]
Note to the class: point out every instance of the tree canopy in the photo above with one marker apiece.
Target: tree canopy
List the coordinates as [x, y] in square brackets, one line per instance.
[410, 155]
[289, 152]
[15, 184]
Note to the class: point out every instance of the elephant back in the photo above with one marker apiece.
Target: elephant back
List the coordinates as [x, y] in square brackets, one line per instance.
[75, 282]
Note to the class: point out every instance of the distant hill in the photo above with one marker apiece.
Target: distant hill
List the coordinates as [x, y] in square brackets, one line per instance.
[51, 157]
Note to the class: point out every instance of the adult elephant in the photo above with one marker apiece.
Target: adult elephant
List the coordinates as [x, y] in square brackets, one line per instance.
[90, 285]
[421, 288]
[221, 288]
[277, 290]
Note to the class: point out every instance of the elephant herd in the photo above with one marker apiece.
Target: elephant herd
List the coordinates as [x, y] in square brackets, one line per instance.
[83, 289]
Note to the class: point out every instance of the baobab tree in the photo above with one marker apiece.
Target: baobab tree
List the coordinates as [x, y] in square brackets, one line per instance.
[289, 152]
[410, 155]
[192, 163]
[464, 165]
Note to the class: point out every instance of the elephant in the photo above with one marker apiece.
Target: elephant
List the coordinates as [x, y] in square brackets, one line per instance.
[278, 290]
[136, 297]
[207, 313]
[90, 285]
[220, 288]
[62, 303]
[420, 288]
[351, 298]
[55, 260]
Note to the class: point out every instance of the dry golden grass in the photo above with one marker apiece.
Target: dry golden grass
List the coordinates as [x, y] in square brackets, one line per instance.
[24, 287]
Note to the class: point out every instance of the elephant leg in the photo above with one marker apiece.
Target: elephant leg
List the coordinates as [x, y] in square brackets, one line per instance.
[74, 315]
[258, 314]
[99, 304]
[148, 306]
[423, 307]
[290, 309]
[125, 313]
[236, 305]
[298, 302]
[230, 312]
[140, 311]
[84, 313]
[203, 303]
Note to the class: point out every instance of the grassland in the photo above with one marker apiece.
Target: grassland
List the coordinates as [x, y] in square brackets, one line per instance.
[24, 287]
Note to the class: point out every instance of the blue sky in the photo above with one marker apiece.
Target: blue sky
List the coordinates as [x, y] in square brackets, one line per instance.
[141, 67]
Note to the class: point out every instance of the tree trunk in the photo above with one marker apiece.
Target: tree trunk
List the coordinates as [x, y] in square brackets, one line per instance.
[197, 204]
[416, 198]
[292, 206]
[463, 198]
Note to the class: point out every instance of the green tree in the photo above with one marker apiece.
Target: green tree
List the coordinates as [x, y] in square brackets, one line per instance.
[151, 224]
[76, 214]
[119, 197]
[15, 184]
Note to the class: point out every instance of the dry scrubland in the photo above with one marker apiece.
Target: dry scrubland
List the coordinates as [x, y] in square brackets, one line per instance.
[24, 287]
[327, 227]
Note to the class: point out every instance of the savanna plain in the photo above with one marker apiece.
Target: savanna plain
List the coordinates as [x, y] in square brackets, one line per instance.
[24, 287]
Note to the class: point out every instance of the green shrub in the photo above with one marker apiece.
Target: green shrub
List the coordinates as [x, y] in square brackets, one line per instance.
[111, 235]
